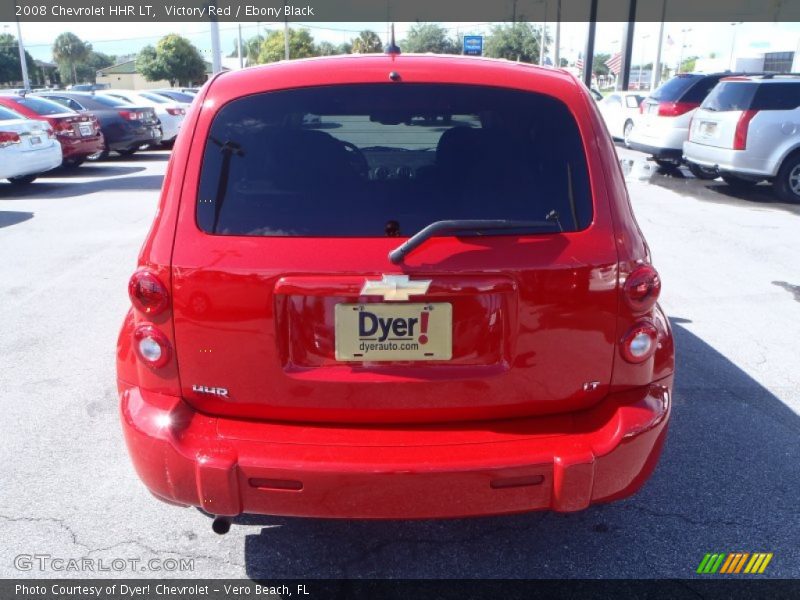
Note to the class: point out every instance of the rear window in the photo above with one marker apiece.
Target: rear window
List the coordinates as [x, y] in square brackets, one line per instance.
[728, 96]
[384, 159]
[672, 90]
[108, 101]
[750, 95]
[7, 114]
[41, 106]
[155, 98]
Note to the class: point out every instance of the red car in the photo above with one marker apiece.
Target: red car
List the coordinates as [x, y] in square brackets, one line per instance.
[79, 135]
[431, 299]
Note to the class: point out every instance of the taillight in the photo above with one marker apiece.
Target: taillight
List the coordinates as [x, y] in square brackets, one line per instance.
[147, 293]
[8, 138]
[640, 342]
[642, 288]
[64, 127]
[175, 112]
[740, 136]
[675, 109]
[131, 115]
[152, 346]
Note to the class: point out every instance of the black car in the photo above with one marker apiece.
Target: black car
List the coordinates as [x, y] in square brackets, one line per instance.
[126, 127]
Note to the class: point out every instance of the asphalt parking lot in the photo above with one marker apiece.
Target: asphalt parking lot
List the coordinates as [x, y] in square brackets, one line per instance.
[729, 478]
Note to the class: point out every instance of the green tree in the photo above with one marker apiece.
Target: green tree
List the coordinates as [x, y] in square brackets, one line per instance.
[174, 58]
[301, 45]
[599, 64]
[429, 37]
[87, 70]
[69, 51]
[326, 49]
[367, 42]
[10, 71]
[514, 41]
[688, 64]
[344, 48]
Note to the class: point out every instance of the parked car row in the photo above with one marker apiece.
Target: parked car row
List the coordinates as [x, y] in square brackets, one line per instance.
[743, 127]
[44, 130]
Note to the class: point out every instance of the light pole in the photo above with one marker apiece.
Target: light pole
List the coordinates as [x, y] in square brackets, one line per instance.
[641, 59]
[733, 44]
[23, 64]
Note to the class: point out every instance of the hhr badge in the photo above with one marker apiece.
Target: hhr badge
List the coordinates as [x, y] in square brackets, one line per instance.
[395, 287]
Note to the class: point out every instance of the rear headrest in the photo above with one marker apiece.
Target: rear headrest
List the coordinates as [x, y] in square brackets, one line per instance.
[307, 157]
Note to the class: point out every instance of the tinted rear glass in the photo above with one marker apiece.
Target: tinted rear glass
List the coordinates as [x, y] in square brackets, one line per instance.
[777, 96]
[42, 106]
[364, 160]
[729, 96]
[672, 90]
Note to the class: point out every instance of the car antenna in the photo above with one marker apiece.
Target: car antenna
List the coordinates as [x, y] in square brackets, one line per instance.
[392, 47]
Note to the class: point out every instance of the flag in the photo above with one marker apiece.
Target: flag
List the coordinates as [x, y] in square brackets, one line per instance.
[614, 63]
[670, 41]
[579, 62]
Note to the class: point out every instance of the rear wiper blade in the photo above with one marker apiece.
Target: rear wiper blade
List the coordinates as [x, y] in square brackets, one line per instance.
[476, 226]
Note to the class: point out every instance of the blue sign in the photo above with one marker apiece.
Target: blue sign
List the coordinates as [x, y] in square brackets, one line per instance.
[473, 45]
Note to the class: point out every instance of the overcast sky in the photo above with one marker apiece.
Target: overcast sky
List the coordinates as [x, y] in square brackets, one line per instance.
[701, 39]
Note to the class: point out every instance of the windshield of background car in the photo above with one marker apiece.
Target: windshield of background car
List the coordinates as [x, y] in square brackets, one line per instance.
[385, 159]
[41, 106]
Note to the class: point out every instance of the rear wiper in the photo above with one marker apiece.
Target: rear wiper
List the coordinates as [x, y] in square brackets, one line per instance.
[228, 149]
[476, 226]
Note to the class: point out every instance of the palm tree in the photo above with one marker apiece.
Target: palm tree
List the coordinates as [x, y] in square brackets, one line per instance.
[367, 42]
[68, 51]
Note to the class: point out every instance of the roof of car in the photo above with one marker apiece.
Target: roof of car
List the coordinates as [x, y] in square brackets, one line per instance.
[376, 68]
[765, 78]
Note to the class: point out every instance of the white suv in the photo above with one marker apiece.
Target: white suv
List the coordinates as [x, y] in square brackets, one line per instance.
[748, 130]
[662, 126]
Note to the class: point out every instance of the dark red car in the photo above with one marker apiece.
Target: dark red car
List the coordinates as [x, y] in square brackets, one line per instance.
[78, 134]
[394, 286]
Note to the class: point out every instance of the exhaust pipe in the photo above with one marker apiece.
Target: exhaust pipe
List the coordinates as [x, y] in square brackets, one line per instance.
[221, 525]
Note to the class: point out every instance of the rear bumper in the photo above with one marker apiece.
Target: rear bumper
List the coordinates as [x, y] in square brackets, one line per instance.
[657, 151]
[562, 463]
[133, 137]
[727, 160]
[76, 148]
[31, 163]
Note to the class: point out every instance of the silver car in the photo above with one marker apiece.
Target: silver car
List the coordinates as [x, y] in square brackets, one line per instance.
[748, 130]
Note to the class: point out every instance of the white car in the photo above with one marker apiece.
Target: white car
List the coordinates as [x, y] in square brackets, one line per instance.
[662, 126]
[748, 130]
[619, 110]
[171, 114]
[27, 148]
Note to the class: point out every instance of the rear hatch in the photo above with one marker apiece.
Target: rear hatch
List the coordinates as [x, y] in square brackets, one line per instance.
[670, 105]
[287, 305]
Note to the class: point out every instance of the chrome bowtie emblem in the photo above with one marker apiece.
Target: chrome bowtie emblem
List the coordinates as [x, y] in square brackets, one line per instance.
[395, 287]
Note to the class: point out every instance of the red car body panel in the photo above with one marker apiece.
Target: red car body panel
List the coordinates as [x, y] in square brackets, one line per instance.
[73, 146]
[536, 409]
